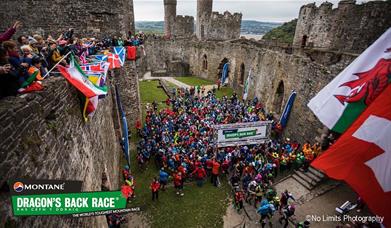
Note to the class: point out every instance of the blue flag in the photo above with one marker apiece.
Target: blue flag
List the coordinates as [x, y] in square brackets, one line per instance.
[224, 74]
[120, 51]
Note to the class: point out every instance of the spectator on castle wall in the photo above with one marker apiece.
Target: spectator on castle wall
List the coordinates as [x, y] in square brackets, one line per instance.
[120, 41]
[8, 79]
[68, 35]
[33, 44]
[115, 41]
[10, 32]
[39, 44]
[35, 68]
[78, 46]
[22, 40]
[54, 55]
[19, 66]
[61, 46]
[27, 55]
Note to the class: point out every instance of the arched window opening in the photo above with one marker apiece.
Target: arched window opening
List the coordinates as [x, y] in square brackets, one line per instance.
[242, 70]
[278, 98]
[205, 62]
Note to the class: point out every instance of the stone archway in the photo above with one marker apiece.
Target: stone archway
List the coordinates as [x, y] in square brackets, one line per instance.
[220, 68]
[241, 74]
[278, 98]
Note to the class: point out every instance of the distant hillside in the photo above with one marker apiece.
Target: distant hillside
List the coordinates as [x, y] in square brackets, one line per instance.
[248, 27]
[257, 27]
[283, 33]
[150, 26]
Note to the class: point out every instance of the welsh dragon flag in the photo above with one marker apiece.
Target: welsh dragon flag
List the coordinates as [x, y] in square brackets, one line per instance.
[362, 156]
[354, 89]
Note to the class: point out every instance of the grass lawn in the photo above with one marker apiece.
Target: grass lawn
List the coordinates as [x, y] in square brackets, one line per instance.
[199, 207]
[193, 81]
[227, 91]
[150, 92]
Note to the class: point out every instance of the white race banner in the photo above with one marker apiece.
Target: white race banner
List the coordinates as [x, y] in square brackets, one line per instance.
[242, 133]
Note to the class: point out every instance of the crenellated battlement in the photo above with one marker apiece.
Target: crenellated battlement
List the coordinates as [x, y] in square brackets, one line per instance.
[215, 25]
[184, 26]
[225, 26]
[343, 28]
[226, 16]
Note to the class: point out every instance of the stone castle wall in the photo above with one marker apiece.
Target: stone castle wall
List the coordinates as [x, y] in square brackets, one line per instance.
[53, 17]
[184, 26]
[127, 83]
[350, 27]
[44, 137]
[218, 26]
[305, 72]
[224, 26]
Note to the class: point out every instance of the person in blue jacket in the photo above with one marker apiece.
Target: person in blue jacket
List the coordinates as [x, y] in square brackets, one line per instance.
[266, 210]
[163, 178]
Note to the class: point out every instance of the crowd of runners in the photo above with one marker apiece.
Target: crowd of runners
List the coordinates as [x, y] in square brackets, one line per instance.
[179, 140]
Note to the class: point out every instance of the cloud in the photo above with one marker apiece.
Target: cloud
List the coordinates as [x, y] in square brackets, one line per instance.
[261, 10]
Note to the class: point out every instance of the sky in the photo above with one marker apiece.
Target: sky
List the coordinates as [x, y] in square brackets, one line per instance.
[259, 10]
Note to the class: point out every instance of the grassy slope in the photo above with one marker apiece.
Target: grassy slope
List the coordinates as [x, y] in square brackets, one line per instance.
[283, 33]
[200, 207]
[193, 81]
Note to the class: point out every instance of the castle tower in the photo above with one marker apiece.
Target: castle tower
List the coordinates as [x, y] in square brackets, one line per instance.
[169, 17]
[204, 11]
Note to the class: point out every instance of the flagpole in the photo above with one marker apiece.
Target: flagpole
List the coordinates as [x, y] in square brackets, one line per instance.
[56, 65]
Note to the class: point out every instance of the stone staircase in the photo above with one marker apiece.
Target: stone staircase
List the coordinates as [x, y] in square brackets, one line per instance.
[309, 179]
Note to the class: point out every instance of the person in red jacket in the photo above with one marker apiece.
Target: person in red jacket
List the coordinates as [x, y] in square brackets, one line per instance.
[239, 197]
[155, 186]
[215, 172]
[178, 183]
[138, 126]
[209, 164]
[200, 175]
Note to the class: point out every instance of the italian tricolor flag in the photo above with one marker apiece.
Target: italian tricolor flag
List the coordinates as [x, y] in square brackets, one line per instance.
[76, 76]
[340, 103]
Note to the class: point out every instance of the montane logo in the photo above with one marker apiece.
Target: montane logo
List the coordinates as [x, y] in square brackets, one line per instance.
[44, 186]
[18, 186]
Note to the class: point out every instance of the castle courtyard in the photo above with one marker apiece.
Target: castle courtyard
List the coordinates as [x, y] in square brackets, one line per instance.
[170, 113]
